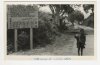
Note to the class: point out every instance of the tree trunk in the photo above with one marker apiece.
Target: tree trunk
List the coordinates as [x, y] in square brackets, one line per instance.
[56, 21]
[72, 23]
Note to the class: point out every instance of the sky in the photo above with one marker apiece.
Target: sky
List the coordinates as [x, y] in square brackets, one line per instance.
[47, 9]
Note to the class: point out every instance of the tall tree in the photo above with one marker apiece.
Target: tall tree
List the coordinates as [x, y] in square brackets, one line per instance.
[59, 10]
[76, 15]
[88, 7]
[90, 19]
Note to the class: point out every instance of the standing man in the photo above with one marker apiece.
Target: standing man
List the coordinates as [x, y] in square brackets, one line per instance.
[81, 38]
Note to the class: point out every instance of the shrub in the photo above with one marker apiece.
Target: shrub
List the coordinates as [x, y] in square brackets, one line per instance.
[23, 41]
[10, 47]
[43, 35]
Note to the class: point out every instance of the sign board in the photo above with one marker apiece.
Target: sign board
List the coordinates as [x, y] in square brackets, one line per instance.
[27, 19]
[23, 22]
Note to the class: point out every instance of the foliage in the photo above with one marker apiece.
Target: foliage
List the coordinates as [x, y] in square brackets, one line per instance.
[23, 40]
[10, 41]
[88, 7]
[42, 35]
[10, 46]
[89, 21]
[58, 11]
[76, 15]
[61, 9]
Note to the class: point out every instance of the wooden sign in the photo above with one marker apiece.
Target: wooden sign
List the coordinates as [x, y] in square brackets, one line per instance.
[22, 17]
[23, 22]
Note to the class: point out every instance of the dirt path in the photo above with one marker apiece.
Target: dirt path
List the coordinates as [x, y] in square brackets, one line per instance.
[64, 45]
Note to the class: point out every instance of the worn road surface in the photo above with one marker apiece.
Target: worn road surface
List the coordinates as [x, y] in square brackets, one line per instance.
[65, 45]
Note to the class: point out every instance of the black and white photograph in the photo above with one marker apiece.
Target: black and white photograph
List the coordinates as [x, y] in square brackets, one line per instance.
[50, 29]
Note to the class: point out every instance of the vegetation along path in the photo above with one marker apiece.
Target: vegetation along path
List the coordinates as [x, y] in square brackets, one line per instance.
[63, 45]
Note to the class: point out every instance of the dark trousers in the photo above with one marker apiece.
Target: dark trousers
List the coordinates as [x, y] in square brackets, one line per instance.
[80, 50]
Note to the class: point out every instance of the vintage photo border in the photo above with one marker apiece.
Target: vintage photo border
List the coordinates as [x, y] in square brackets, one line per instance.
[37, 57]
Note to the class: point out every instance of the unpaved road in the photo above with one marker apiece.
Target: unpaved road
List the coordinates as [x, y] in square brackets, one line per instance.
[65, 45]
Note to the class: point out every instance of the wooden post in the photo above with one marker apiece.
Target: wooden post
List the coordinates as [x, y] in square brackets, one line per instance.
[15, 41]
[31, 38]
